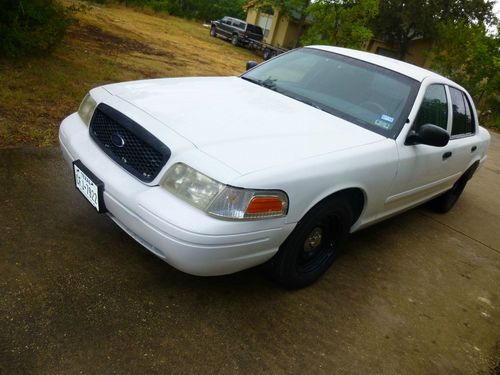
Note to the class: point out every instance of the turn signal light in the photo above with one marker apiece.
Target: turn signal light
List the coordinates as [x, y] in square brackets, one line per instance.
[265, 205]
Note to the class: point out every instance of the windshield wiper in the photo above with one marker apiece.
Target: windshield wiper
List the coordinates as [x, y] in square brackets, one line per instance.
[304, 100]
[268, 83]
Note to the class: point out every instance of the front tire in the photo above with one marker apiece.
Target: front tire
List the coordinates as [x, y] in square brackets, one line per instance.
[313, 245]
[213, 31]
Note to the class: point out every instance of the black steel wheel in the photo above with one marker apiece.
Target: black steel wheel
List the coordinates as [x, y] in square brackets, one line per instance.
[313, 245]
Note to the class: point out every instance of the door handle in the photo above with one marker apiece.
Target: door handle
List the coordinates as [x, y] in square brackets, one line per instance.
[446, 155]
[474, 148]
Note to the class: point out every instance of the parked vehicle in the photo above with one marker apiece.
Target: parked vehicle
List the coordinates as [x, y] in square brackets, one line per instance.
[276, 166]
[245, 34]
[238, 31]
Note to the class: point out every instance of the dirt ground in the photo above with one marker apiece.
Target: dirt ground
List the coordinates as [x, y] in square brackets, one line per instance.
[418, 294]
[108, 44]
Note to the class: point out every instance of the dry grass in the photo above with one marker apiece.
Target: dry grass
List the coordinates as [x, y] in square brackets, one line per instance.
[109, 44]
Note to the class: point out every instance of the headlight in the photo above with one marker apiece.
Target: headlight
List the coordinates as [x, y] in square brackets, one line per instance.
[191, 185]
[87, 108]
[221, 200]
[235, 203]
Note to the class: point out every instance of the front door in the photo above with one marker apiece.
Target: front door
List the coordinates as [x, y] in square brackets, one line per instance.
[425, 171]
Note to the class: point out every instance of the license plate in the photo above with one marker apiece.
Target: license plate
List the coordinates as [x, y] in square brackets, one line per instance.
[89, 185]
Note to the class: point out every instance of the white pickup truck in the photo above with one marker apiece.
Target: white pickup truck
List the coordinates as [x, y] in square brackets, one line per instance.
[276, 166]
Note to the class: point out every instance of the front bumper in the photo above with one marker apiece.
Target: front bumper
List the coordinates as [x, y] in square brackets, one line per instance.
[182, 235]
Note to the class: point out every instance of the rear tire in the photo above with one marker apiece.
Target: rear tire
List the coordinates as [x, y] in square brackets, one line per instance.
[234, 40]
[267, 54]
[446, 201]
[313, 245]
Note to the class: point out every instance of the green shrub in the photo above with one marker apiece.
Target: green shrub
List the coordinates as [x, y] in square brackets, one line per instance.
[30, 27]
[159, 6]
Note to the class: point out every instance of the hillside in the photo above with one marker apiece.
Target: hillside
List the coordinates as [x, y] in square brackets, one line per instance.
[108, 44]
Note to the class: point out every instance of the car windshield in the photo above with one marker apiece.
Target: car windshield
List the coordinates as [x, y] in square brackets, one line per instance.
[254, 29]
[365, 94]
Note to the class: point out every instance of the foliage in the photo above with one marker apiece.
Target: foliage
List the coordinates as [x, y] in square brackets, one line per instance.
[107, 45]
[29, 27]
[468, 55]
[340, 22]
[400, 21]
[291, 8]
[202, 9]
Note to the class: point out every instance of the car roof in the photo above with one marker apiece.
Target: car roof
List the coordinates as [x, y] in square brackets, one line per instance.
[409, 70]
[236, 19]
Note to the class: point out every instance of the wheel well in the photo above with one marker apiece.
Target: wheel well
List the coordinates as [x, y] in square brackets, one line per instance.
[355, 197]
[471, 170]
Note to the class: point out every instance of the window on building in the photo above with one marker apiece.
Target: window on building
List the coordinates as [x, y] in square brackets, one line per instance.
[265, 22]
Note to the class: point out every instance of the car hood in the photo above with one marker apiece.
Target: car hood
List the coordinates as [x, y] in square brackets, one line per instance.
[243, 125]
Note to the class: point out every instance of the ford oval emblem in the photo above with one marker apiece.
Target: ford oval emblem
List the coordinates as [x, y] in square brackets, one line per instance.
[117, 140]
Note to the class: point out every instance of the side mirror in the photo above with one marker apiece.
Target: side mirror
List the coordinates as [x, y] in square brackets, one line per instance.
[251, 64]
[430, 135]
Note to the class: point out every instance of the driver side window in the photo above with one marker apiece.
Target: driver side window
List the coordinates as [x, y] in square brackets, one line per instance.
[434, 108]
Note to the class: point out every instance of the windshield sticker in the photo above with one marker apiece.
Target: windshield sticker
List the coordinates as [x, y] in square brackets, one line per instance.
[383, 124]
[387, 118]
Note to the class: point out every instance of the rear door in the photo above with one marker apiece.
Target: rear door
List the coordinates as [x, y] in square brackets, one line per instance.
[238, 27]
[463, 141]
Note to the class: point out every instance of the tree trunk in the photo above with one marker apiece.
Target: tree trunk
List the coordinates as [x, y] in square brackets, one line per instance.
[403, 48]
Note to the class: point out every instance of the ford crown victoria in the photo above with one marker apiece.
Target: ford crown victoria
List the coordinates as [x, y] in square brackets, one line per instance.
[276, 166]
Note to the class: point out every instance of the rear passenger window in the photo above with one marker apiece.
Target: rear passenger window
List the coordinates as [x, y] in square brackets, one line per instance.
[434, 108]
[463, 123]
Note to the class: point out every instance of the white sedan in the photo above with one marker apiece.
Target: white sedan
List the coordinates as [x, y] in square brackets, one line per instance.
[276, 166]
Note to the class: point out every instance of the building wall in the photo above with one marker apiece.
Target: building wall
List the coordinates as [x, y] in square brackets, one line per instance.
[282, 33]
[416, 54]
[271, 37]
[292, 35]
[286, 33]
[252, 15]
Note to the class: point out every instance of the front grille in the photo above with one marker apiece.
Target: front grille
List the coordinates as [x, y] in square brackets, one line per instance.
[128, 143]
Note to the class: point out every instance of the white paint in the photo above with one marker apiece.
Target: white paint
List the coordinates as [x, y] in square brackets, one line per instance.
[245, 135]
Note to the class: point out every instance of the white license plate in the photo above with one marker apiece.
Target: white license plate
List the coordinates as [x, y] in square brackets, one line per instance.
[89, 185]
